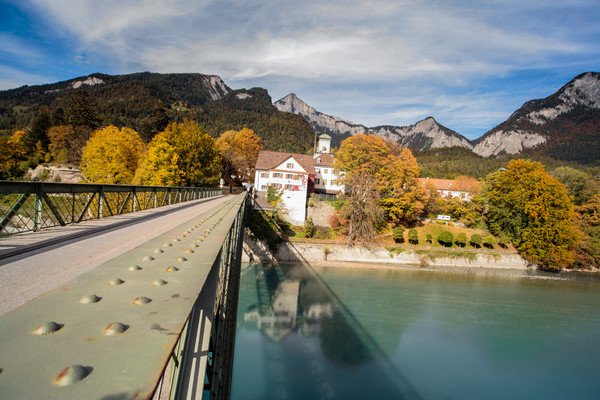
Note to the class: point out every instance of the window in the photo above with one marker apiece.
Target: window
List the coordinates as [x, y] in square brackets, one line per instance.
[289, 165]
[317, 169]
[318, 160]
[276, 175]
[289, 187]
[263, 187]
[334, 183]
[317, 181]
[326, 171]
[264, 174]
[276, 185]
[295, 177]
[324, 181]
[289, 176]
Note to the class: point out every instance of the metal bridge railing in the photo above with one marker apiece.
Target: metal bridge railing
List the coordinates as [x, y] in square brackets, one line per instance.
[157, 322]
[31, 206]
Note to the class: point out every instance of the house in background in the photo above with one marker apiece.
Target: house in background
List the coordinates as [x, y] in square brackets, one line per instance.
[326, 178]
[290, 172]
[297, 175]
[462, 189]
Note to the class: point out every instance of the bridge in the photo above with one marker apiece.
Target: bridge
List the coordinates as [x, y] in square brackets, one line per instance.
[139, 305]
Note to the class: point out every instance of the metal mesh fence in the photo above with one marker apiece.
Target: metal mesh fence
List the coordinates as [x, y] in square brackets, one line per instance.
[31, 206]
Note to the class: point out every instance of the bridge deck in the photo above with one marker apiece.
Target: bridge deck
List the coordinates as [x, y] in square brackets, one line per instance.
[111, 331]
[34, 263]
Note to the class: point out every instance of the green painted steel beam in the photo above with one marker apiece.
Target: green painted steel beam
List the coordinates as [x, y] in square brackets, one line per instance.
[109, 333]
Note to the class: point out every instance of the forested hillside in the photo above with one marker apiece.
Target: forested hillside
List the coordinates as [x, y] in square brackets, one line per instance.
[147, 102]
[253, 108]
[450, 162]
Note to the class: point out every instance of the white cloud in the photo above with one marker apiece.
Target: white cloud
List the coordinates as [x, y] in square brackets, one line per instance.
[402, 59]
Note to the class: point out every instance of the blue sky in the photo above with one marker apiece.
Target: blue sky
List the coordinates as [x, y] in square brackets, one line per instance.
[469, 64]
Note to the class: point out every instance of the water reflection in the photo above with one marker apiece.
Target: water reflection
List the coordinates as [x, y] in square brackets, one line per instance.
[335, 333]
[312, 346]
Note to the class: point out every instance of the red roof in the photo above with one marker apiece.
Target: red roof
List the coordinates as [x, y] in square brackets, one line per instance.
[446, 184]
[326, 159]
[271, 159]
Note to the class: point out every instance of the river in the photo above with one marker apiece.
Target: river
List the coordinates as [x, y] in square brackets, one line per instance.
[407, 333]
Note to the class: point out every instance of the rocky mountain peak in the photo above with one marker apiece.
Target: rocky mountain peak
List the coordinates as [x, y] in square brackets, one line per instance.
[545, 124]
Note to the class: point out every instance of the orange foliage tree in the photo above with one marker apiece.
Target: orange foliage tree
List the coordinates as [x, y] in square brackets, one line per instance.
[382, 176]
[239, 150]
[535, 211]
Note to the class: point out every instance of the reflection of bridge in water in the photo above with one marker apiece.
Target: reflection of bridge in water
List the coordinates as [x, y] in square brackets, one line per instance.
[293, 302]
[157, 321]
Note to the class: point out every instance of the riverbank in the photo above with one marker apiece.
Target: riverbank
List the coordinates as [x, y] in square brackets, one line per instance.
[329, 254]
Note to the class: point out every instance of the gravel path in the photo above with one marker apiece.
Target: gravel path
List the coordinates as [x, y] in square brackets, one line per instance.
[32, 264]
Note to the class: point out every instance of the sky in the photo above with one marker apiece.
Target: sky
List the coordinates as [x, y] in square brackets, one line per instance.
[469, 64]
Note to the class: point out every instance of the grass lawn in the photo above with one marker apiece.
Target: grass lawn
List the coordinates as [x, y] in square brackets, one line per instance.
[434, 229]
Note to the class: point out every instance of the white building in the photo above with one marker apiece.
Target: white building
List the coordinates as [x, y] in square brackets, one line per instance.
[298, 175]
[326, 178]
[293, 173]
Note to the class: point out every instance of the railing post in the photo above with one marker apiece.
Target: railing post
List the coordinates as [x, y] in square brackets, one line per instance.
[37, 218]
[100, 201]
[133, 199]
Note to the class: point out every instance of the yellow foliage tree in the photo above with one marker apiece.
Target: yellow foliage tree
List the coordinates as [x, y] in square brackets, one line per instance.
[183, 154]
[239, 150]
[112, 155]
[16, 147]
[160, 164]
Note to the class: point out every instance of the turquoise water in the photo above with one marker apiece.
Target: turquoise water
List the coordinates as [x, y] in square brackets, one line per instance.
[312, 333]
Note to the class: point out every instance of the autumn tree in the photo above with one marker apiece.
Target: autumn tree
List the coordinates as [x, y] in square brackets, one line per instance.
[360, 160]
[368, 163]
[402, 197]
[182, 154]
[362, 208]
[239, 150]
[60, 143]
[160, 164]
[580, 186]
[13, 153]
[587, 220]
[112, 156]
[535, 211]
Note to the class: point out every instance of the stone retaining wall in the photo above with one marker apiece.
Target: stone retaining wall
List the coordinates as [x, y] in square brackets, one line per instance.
[314, 253]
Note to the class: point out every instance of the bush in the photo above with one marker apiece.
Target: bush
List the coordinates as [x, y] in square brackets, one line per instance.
[461, 239]
[398, 234]
[334, 220]
[476, 240]
[446, 238]
[429, 238]
[413, 236]
[326, 252]
[309, 228]
[503, 241]
[489, 242]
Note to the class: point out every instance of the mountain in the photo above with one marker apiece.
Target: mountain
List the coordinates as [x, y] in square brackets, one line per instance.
[335, 127]
[564, 125]
[423, 135]
[147, 101]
